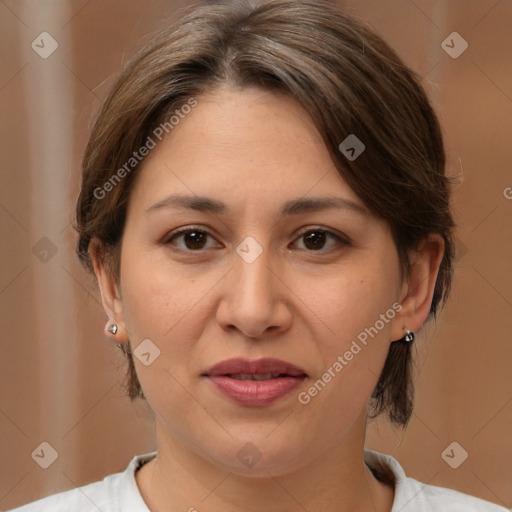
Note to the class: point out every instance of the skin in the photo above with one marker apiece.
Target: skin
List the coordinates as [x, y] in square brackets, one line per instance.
[255, 150]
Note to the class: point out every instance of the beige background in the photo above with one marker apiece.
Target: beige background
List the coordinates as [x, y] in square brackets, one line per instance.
[60, 376]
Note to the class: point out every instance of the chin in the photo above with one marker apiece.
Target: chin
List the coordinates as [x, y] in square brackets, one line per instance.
[258, 458]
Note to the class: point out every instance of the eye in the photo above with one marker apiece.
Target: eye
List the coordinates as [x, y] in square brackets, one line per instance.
[194, 239]
[315, 239]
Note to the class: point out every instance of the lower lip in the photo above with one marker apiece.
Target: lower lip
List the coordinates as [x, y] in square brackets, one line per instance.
[255, 393]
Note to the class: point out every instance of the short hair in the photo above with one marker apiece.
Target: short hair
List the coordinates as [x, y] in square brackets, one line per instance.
[347, 79]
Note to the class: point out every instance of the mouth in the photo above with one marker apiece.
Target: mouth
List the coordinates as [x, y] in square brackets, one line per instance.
[256, 376]
[255, 383]
[257, 369]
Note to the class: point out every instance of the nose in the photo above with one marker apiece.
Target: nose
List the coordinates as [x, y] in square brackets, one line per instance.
[255, 299]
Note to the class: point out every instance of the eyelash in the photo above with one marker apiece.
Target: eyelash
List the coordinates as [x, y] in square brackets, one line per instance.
[343, 241]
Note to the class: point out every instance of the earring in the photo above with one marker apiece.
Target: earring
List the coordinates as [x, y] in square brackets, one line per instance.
[409, 336]
[112, 328]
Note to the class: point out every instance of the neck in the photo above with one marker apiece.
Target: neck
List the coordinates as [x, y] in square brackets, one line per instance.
[177, 479]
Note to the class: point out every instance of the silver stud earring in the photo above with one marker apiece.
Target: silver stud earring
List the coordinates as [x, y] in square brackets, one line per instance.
[409, 336]
[112, 328]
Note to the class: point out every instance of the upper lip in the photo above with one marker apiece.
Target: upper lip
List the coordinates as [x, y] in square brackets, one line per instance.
[255, 366]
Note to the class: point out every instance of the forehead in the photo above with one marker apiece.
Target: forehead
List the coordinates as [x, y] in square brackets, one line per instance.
[239, 144]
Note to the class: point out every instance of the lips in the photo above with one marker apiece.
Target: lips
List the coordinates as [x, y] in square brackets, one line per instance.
[256, 367]
[255, 382]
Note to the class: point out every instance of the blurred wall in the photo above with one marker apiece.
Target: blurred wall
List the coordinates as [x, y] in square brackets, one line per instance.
[59, 377]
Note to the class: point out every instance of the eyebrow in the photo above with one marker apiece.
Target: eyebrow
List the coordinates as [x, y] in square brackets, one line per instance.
[292, 207]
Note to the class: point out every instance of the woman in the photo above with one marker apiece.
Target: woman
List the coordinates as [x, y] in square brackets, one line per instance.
[265, 206]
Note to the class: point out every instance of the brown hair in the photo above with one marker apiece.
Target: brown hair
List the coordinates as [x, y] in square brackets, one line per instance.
[348, 80]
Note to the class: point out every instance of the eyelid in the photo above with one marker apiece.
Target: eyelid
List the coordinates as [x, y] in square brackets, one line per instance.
[340, 236]
[341, 240]
[186, 229]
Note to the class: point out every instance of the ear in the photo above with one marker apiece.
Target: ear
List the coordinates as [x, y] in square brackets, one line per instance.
[418, 287]
[110, 295]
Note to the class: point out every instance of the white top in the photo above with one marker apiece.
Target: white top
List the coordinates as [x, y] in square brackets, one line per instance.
[119, 493]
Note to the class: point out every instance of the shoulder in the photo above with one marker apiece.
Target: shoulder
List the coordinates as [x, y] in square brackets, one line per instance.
[414, 496]
[91, 497]
[115, 492]
[440, 499]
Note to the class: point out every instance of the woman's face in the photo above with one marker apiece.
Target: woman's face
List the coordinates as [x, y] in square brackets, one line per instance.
[305, 287]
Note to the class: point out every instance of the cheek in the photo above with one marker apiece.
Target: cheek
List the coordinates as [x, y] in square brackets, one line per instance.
[352, 300]
[160, 307]
[168, 303]
[356, 314]
[154, 300]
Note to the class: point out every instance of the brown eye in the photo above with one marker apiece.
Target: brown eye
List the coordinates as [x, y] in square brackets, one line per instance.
[192, 239]
[316, 239]
[195, 239]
